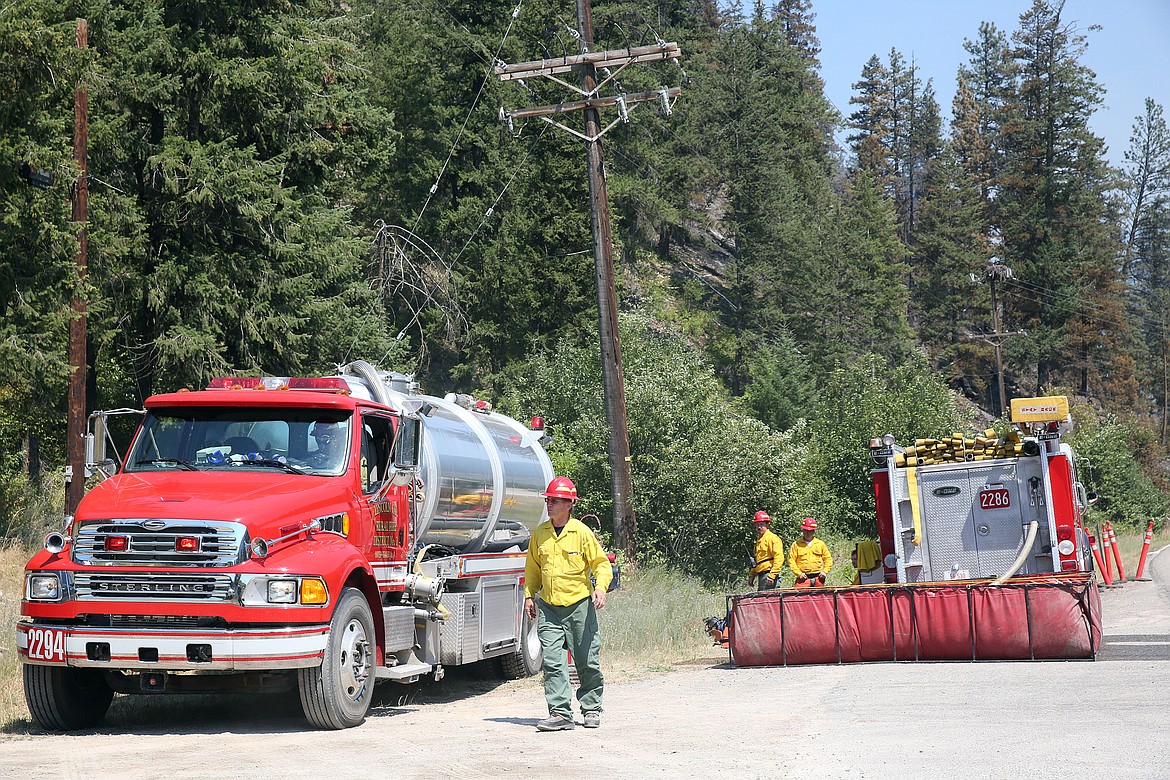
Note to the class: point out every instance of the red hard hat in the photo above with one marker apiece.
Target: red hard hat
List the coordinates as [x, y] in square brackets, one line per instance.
[561, 487]
[808, 525]
[761, 517]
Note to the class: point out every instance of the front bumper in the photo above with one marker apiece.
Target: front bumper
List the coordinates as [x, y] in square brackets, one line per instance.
[253, 649]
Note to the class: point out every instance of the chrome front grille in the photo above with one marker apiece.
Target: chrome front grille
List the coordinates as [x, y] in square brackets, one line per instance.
[154, 587]
[154, 542]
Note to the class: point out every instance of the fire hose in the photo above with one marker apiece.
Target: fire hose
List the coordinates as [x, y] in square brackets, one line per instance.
[1025, 550]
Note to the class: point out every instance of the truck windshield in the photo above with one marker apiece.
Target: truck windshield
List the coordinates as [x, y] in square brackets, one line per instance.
[302, 441]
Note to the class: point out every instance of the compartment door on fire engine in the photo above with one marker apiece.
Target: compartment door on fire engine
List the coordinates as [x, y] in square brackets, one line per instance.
[972, 520]
[374, 465]
[998, 528]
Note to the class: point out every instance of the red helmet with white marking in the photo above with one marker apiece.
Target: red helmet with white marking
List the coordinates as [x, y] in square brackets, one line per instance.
[561, 487]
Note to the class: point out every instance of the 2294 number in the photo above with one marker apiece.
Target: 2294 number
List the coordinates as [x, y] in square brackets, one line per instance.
[46, 644]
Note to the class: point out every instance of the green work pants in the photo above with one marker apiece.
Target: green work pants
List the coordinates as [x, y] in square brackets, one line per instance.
[576, 627]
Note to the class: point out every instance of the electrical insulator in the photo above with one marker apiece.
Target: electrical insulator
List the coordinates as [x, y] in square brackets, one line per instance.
[664, 97]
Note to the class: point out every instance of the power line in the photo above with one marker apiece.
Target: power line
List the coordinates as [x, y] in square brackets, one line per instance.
[466, 119]
[521, 166]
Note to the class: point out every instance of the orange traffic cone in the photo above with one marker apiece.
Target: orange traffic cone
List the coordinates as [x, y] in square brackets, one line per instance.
[1145, 550]
[1116, 553]
[1105, 573]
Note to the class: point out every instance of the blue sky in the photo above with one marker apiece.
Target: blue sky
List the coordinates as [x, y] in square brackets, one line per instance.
[1130, 54]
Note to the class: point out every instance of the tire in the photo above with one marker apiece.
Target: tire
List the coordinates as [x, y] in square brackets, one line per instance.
[337, 694]
[64, 698]
[528, 659]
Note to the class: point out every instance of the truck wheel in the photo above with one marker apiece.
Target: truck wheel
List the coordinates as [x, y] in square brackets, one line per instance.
[63, 698]
[337, 694]
[528, 659]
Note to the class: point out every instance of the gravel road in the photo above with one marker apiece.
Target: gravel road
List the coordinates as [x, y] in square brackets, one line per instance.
[1082, 719]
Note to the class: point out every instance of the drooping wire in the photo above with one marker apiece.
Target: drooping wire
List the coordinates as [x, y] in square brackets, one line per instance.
[466, 119]
[521, 166]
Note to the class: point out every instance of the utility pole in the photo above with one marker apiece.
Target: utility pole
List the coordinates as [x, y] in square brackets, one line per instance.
[587, 64]
[76, 408]
[996, 272]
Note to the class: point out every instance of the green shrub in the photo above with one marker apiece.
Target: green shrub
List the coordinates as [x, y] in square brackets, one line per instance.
[1107, 458]
[866, 399]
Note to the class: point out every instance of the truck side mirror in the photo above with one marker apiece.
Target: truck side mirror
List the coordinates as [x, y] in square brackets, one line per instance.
[407, 443]
[96, 459]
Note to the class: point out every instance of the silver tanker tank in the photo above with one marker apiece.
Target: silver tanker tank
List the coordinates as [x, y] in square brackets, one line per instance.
[481, 473]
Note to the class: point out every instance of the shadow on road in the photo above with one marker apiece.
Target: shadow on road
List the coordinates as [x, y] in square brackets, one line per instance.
[526, 722]
[266, 713]
[1135, 647]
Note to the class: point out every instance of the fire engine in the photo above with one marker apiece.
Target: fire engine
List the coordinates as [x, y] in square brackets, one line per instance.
[265, 533]
[984, 552]
[970, 508]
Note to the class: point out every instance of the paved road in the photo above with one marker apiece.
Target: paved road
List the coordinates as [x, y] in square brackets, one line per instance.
[1102, 720]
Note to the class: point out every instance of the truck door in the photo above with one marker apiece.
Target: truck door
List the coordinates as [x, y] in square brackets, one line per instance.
[389, 530]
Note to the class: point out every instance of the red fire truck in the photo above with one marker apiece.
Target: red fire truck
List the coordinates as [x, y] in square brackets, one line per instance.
[984, 556]
[981, 507]
[265, 533]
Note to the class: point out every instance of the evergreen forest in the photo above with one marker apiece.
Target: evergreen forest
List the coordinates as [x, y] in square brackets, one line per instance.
[282, 186]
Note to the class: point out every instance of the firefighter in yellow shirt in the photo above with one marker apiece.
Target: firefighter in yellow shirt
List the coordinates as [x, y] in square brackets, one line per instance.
[562, 554]
[809, 557]
[769, 554]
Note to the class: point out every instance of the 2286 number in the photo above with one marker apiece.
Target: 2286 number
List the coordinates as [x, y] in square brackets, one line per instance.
[46, 644]
[995, 498]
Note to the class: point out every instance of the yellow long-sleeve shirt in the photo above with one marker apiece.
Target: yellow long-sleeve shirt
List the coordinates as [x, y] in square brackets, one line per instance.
[558, 565]
[769, 555]
[809, 557]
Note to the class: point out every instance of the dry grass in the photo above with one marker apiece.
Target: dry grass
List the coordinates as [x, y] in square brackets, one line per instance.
[12, 559]
[656, 621]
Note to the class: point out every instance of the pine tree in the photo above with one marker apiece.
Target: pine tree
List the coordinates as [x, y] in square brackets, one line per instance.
[797, 21]
[899, 132]
[239, 137]
[1148, 163]
[985, 84]
[1146, 263]
[863, 297]
[39, 66]
[873, 122]
[762, 131]
[948, 306]
[1053, 215]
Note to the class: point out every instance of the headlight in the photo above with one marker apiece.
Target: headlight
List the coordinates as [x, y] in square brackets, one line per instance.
[262, 590]
[43, 587]
[282, 591]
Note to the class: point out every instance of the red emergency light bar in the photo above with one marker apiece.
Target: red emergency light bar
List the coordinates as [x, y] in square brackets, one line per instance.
[235, 383]
[329, 384]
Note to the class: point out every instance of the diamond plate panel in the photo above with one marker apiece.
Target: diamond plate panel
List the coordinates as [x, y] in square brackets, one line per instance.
[945, 499]
[501, 608]
[459, 634]
[999, 532]
[399, 628]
